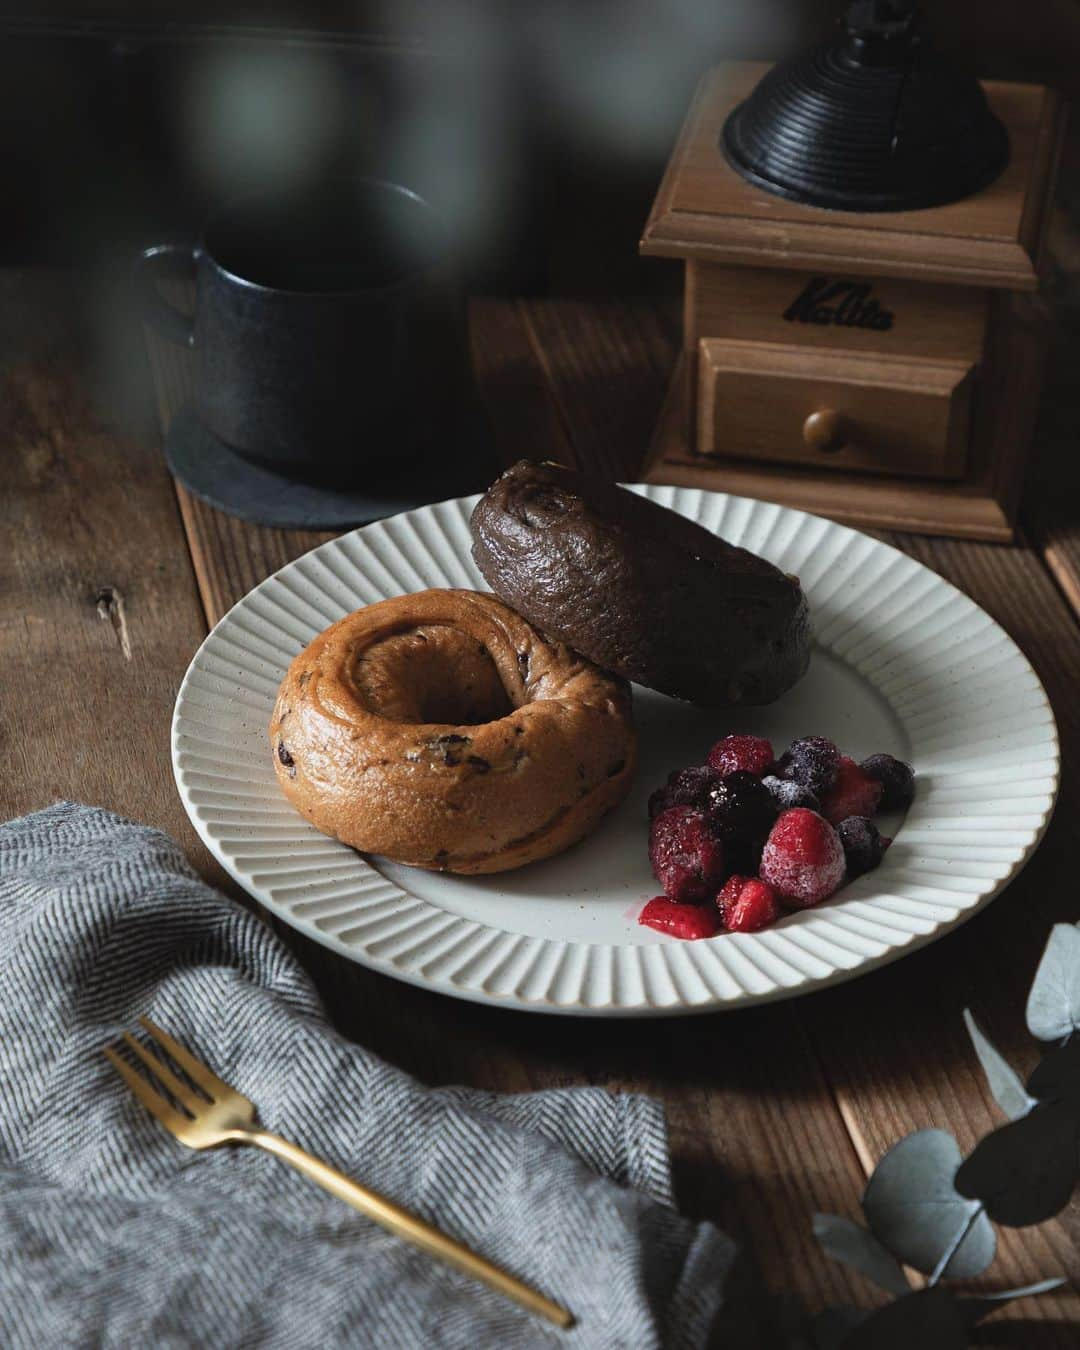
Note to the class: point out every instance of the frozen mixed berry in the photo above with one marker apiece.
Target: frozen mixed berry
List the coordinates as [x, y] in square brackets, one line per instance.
[811, 761]
[743, 813]
[854, 793]
[786, 793]
[746, 754]
[897, 780]
[694, 786]
[803, 860]
[746, 904]
[864, 846]
[681, 921]
[687, 855]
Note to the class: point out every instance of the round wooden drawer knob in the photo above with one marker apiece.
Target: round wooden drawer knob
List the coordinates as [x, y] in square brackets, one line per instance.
[824, 430]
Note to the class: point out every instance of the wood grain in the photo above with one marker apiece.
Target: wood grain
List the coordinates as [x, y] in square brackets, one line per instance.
[965, 508]
[621, 351]
[730, 1122]
[1011, 388]
[230, 556]
[778, 1111]
[1051, 510]
[751, 304]
[897, 1061]
[98, 610]
[525, 420]
[748, 382]
[901, 416]
[893, 1049]
[749, 379]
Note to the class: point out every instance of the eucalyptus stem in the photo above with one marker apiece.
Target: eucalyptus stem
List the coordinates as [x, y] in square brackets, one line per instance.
[954, 1246]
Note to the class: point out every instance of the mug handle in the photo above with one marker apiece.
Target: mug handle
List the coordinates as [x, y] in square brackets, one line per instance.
[166, 262]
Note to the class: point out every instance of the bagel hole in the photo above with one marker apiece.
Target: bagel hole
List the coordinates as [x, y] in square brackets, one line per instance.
[468, 706]
[432, 674]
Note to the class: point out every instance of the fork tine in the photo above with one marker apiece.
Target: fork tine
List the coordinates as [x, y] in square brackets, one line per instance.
[182, 1091]
[195, 1069]
[154, 1103]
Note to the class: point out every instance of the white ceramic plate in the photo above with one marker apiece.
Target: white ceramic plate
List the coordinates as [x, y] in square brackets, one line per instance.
[903, 662]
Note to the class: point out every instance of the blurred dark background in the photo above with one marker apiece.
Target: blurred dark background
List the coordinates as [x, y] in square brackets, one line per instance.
[539, 127]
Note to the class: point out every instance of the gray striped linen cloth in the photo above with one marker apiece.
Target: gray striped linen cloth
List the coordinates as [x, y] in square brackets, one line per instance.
[114, 1235]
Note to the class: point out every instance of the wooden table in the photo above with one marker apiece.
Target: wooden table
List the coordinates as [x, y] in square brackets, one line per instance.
[110, 576]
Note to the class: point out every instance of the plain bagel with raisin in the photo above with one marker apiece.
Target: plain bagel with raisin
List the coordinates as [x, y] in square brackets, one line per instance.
[441, 730]
[639, 589]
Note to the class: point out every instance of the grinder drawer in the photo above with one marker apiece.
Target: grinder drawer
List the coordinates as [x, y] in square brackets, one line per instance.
[839, 409]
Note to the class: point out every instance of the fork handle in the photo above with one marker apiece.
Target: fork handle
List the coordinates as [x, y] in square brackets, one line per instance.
[407, 1225]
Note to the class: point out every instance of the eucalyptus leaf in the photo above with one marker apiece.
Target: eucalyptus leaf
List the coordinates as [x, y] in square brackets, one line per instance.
[857, 1247]
[912, 1207]
[986, 1304]
[833, 1326]
[1057, 1077]
[1003, 1080]
[931, 1319]
[975, 1309]
[1053, 1006]
[1024, 1172]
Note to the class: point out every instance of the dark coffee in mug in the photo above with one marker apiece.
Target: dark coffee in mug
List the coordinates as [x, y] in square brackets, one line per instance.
[328, 330]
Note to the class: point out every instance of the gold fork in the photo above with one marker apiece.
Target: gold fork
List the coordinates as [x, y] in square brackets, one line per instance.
[217, 1114]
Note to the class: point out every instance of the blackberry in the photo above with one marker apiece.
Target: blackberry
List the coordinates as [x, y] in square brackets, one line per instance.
[786, 793]
[864, 847]
[897, 780]
[692, 786]
[742, 814]
[811, 761]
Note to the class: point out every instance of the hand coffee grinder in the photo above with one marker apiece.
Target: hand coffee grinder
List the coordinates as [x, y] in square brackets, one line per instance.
[862, 229]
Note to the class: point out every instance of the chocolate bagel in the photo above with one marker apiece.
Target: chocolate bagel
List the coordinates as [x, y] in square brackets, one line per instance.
[440, 730]
[639, 589]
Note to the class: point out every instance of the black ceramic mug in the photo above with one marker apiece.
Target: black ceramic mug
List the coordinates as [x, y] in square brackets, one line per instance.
[328, 332]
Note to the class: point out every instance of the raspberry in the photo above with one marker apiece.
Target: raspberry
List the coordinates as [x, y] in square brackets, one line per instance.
[803, 860]
[686, 787]
[897, 780]
[811, 761]
[854, 793]
[742, 815]
[688, 859]
[750, 754]
[681, 921]
[863, 846]
[747, 904]
[786, 793]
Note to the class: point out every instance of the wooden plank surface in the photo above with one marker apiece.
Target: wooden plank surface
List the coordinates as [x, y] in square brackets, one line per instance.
[730, 1120]
[98, 610]
[589, 392]
[897, 1062]
[775, 1112]
[230, 556]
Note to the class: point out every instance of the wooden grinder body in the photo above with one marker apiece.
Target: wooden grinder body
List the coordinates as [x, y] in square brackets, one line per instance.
[881, 368]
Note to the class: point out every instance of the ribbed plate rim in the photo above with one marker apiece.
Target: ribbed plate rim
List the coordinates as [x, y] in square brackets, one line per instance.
[680, 962]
